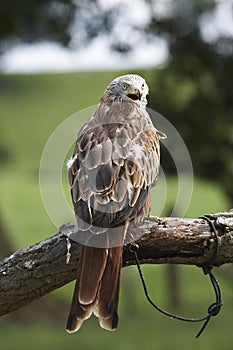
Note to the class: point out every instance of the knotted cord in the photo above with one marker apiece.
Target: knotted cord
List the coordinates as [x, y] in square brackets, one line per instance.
[214, 308]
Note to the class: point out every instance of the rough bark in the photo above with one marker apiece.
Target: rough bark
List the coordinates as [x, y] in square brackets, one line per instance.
[35, 271]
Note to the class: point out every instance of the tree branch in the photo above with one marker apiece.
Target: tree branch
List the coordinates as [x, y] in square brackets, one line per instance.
[35, 271]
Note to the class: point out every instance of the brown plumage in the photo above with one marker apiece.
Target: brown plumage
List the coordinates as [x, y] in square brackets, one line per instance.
[114, 165]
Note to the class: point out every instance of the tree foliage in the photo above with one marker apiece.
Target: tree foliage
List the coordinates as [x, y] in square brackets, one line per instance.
[193, 90]
[30, 20]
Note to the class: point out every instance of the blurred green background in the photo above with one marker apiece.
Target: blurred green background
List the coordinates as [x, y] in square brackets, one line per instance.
[193, 90]
[31, 108]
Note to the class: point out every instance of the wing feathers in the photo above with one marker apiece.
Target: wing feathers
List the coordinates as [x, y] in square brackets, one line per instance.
[104, 178]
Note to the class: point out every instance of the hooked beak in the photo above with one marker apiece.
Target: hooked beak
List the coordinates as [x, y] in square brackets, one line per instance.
[134, 95]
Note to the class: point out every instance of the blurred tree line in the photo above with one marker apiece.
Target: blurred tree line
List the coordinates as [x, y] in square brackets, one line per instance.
[193, 90]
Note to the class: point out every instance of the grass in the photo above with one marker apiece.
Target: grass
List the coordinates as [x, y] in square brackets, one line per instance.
[140, 326]
[31, 108]
[157, 334]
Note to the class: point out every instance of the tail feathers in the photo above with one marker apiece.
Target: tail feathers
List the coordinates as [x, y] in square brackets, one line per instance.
[108, 295]
[92, 266]
[97, 288]
[78, 313]
[92, 262]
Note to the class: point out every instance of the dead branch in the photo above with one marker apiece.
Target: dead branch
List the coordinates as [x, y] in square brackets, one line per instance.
[35, 271]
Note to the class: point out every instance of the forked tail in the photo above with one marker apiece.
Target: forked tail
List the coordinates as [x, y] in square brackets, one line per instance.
[97, 287]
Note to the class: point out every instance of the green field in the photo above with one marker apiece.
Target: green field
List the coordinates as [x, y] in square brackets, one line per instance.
[32, 107]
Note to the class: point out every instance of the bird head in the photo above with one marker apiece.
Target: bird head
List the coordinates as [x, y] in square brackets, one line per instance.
[129, 88]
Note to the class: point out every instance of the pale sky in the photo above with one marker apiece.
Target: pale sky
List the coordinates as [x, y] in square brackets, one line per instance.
[51, 57]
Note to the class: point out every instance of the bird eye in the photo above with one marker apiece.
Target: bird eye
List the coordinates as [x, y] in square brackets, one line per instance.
[124, 86]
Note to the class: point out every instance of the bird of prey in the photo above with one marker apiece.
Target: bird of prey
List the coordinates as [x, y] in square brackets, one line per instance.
[113, 168]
